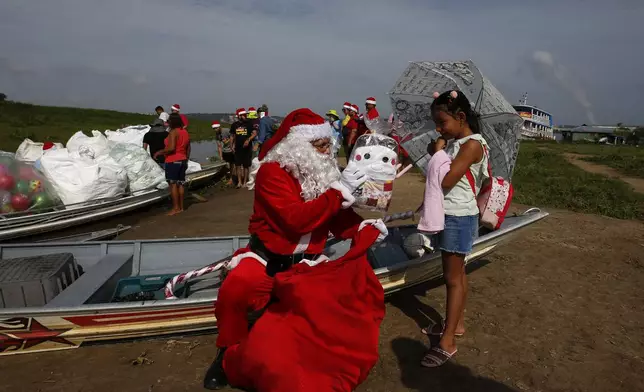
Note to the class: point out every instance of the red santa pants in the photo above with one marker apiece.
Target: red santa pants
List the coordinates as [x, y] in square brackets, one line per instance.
[247, 288]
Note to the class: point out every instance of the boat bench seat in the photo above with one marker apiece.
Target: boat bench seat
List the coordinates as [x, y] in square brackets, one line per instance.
[97, 284]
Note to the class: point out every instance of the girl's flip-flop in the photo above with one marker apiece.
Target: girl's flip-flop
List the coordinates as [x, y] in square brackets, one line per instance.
[436, 357]
[437, 330]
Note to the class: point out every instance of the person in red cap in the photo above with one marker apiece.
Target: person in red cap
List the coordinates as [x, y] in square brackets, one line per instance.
[243, 134]
[370, 106]
[346, 109]
[176, 108]
[370, 114]
[300, 196]
[253, 121]
[350, 130]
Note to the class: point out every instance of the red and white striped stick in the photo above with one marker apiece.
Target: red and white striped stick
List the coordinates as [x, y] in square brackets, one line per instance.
[171, 285]
[403, 171]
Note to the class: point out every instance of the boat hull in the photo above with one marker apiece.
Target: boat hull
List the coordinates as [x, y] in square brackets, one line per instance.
[40, 329]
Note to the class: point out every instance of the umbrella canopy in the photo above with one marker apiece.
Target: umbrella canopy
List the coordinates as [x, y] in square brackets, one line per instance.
[411, 98]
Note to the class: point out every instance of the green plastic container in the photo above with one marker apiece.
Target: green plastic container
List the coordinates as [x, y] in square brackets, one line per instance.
[152, 284]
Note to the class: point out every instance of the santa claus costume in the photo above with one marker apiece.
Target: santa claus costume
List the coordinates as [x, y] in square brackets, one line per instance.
[300, 197]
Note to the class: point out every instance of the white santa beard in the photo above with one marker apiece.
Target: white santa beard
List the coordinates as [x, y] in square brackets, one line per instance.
[314, 171]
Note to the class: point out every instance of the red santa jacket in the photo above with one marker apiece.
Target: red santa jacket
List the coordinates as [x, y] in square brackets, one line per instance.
[286, 224]
[372, 114]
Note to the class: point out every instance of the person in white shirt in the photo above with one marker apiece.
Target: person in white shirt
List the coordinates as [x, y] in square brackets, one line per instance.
[162, 114]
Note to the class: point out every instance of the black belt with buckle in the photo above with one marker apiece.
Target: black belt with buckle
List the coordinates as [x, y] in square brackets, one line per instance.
[276, 263]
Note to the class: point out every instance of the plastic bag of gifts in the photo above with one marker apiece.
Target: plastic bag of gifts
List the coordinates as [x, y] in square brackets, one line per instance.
[24, 189]
[377, 156]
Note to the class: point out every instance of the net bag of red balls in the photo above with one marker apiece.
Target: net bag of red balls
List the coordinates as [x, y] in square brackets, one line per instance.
[24, 188]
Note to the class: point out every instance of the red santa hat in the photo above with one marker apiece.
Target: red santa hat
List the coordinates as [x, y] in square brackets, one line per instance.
[176, 107]
[252, 110]
[370, 101]
[47, 145]
[215, 124]
[304, 123]
[355, 108]
[347, 105]
[240, 111]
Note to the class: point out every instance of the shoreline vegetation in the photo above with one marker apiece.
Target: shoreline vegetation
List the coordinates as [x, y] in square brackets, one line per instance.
[543, 177]
[19, 121]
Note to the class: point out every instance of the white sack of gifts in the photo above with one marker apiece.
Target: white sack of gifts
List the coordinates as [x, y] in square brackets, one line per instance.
[92, 147]
[78, 179]
[30, 151]
[142, 171]
[132, 134]
[193, 167]
[377, 156]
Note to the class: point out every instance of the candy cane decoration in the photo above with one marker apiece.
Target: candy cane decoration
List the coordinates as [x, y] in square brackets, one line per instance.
[398, 216]
[172, 283]
[403, 171]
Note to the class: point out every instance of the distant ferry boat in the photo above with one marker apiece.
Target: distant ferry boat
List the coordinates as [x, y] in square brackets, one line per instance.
[537, 123]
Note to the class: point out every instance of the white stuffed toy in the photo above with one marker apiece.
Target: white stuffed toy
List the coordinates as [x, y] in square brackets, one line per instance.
[376, 156]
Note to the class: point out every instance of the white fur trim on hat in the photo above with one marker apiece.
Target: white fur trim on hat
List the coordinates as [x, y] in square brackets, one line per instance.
[312, 132]
[176, 108]
[371, 102]
[347, 107]
[215, 125]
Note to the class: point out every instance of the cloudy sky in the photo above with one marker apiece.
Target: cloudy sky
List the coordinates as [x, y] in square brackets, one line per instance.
[579, 59]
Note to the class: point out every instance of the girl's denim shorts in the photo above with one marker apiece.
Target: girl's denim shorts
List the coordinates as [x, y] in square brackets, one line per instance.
[459, 234]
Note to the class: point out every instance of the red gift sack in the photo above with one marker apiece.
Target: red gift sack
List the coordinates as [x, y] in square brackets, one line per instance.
[321, 334]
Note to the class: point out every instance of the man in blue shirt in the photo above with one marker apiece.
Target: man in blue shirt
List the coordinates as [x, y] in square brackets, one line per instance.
[266, 124]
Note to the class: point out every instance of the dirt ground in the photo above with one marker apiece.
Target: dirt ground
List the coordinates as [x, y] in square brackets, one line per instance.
[558, 309]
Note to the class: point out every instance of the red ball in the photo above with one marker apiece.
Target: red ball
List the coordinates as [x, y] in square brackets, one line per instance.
[7, 182]
[20, 202]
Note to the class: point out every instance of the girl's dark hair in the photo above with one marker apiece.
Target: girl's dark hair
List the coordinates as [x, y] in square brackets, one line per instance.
[175, 121]
[447, 103]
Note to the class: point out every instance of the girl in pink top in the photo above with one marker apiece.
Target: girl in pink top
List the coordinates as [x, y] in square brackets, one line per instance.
[177, 153]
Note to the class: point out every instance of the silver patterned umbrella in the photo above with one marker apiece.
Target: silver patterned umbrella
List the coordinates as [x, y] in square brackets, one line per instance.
[411, 98]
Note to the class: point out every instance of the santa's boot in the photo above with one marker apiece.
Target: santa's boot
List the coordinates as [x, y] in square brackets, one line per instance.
[215, 376]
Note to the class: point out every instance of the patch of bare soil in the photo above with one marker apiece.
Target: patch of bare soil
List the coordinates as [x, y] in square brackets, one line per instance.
[557, 309]
[576, 159]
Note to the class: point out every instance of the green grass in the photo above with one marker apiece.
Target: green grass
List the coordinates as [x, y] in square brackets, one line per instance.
[628, 160]
[45, 123]
[629, 165]
[544, 178]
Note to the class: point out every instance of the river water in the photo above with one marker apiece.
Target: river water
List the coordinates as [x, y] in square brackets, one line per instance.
[202, 150]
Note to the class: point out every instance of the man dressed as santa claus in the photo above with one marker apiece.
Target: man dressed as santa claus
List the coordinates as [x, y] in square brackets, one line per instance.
[300, 197]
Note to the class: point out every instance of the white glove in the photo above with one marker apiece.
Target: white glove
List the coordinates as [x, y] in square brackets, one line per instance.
[346, 194]
[352, 177]
[378, 224]
[254, 168]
